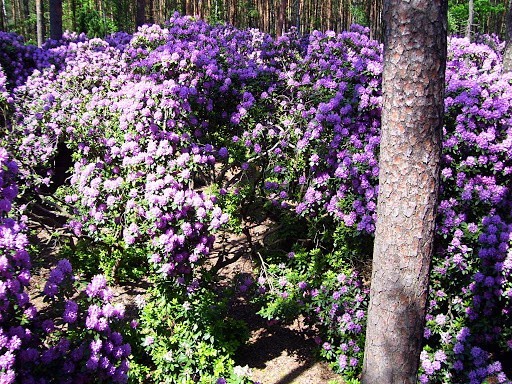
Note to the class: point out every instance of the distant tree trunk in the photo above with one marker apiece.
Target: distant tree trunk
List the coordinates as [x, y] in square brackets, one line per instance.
[2, 16]
[140, 13]
[56, 19]
[72, 5]
[151, 12]
[188, 7]
[282, 18]
[296, 14]
[40, 22]
[471, 10]
[507, 55]
[28, 29]
[410, 150]
[374, 18]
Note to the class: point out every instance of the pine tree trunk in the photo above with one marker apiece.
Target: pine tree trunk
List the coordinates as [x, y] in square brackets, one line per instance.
[507, 55]
[55, 19]
[375, 19]
[72, 5]
[151, 12]
[2, 16]
[40, 22]
[471, 10]
[412, 112]
[282, 16]
[140, 13]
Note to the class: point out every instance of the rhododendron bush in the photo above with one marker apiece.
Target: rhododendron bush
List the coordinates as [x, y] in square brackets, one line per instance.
[80, 342]
[149, 148]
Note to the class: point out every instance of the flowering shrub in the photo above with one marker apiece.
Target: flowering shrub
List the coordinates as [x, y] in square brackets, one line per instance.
[139, 152]
[14, 275]
[179, 131]
[79, 338]
[469, 304]
[16, 58]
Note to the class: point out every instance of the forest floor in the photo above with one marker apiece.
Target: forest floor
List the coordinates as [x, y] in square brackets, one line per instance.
[274, 354]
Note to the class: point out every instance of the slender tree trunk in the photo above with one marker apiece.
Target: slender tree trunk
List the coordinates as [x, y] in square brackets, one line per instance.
[151, 11]
[507, 55]
[412, 113]
[40, 22]
[296, 14]
[140, 13]
[2, 16]
[56, 19]
[282, 18]
[28, 28]
[13, 12]
[374, 17]
[72, 5]
[470, 19]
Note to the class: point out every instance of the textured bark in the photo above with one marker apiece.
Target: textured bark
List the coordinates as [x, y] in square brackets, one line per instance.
[140, 13]
[281, 18]
[412, 111]
[374, 12]
[471, 10]
[2, 16]
[507, 55]
[150, 18]
[56, 19]
[296, 14]
[40, 22]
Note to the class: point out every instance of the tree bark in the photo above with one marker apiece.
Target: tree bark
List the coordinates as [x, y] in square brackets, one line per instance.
[151, 12]
[28, 28]
[507, 55]
[471, 10]
[56, 19]
[296, 14]
[140, 13]
[282, 18]
[412, 113]
[40, 22]
[2, 16]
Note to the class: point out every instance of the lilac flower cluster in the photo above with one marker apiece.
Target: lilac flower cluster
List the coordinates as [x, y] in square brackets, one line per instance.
[469, 280]
[14, 275]
[83, 340]
[338, 307]
[59, 94]
[143, 122]
[3, 87]
[16, 58]
[327, 122]
[35, 349]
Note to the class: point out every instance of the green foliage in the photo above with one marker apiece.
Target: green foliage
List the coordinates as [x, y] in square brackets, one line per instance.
[458, 13]
[216, 12]
[320, 284]
[186, 337]
[116, 263]
[92, 23]
[359, 14]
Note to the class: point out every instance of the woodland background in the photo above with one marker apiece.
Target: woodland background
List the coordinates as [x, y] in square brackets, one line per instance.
[98, 18]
